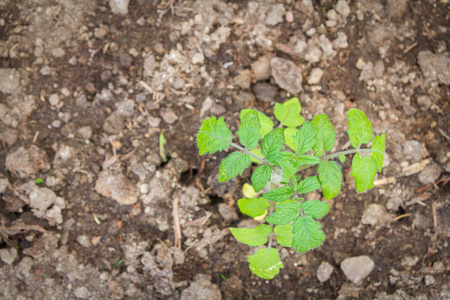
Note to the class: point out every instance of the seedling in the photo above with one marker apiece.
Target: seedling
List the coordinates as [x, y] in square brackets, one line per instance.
[286, 215]
[162, 142]
[39, 180]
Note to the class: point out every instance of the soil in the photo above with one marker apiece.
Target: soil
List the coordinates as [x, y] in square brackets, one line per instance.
[87, 201]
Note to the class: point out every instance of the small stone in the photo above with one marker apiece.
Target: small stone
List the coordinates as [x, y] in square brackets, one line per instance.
[376, 215]
[396, 8]
[429, 280]
[126, 108]
[324, 272]
[410, 261]
[424, 102]
[149, 66]
[435, 66]
[198, 58]
[331, 23]
[243, 79]
[119, 7]
[313, 53]
[82, 293]
[101, 31]
[85, 132]
[265, 92]
[378, 69]
[218, 109]
[332, 15]
[8, 256]
[84, 241]
[261, 68]
[414, 150]
[360, 64]
[357, 268]
[56, 124]
[53, 99]
[246, 97]
[430, 174]
[343, 8]
[289, 17]
[154, 121]
[113, 124]
[341, 41]
[4, 183]
[287, 75]
[58, 52]
[201, 289]
[9, 81]
[206, 105]
[315, 76]
[24, 162]
[116, 186]
[168, 115]
[275, 14]
[227, 212]
[46, 70]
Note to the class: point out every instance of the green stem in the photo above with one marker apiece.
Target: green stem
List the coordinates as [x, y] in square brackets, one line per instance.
[251, 154]
[334, 155]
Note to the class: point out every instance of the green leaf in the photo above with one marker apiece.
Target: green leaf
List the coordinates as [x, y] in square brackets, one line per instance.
[378, 146]
[284, 235]
[248, 132]
[308, 185]
[288, 113]
[252, 236]
[364, 169]
[213, 136]
[307, 234]
[279, 194]
[330, 177]
[285, 213]
[265, 263]
[265, 122]
[232, 165]
[288, 169]
[305, 139]
[315, 208]
[257, 152]
[307, 160]
[359, 128]
[289, 134]
[260, 177]
[324, 133]
[253, 207]
[272, 144]
[342, 158]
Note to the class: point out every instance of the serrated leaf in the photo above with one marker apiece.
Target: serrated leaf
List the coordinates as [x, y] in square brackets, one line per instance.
[308, 185]
[257, 152]
[232, 165]
[284, 235]
[307, 160]
[248, 191]
[287, 168]
[307, 234]
[252, 236]
[284, 214]
[260, 177]
[279, 194]
[305, 139]
[324, 134]
[253, 207]
[359, 128]
[272, 144]
[248, 132]
[364, 169]
[342, 158]
[213, 136]
[288, 113]
[289, 134]
[330, 177]
[378, 148]
[315, 208]
[265, 263]
[265, 122]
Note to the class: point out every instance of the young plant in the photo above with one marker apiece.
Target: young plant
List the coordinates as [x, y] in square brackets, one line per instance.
[290, 218]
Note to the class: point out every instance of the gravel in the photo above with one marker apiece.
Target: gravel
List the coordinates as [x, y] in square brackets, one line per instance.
[9, 81]
[324, 272]
[53, 99]
[435, 66]
[116, 186]
[227, 212]
[8, 256]
[430, 174]
[357, 268]
[343, 8]
[168, 115]
[286, 74]
[24, 162]
[261, 68]
[265, 92]
[376, 215]
[201, 289]
[119, 7]
[315, 76]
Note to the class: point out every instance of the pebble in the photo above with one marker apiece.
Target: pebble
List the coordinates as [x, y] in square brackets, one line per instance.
[378, 69]
[265, 92]
[168, 115]
[202, 288]
[435, 66]
[261, 68]
[117, 187]
[154, 121]
[357, 268]
[198, 58]
[126, 108]
[24, 162]
[289, 17]
[396, 8]
[341, 40]
[149, 66]
[324, 272]
[414, 150]
[53, 99]
[82, 292]
[227, 212]
[342, 8]
[46, 70]
[313, 53]
[85, 132]
[56, 124]
[9, 81]
[275, 14]
[424, 102]
[119, 7]
[376, 215]
[430, 174]
[58, 52]
[429, 280]
[8, 256]
[287, 75]
[4, 183]
[315, 76]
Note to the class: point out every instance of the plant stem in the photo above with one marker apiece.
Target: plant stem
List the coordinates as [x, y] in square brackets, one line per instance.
[251, 154]
[329, 156]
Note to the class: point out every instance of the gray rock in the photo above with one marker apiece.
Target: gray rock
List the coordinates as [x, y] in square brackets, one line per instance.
[85, 132]
[149, 66]
[117, 187]
[378, 69]
[9, 81]
[275, 14]
[414, 150]
[410, 261]
[342, 8]
[58, 52]
[126, 108]
[41, 199]
[4, 183]
[341, 41]
[430, 174]
[313, 53]
[168, 115]
[243, 79]
[261, 68]
[227, 212]
[82, 292]
[265, 92]
[287, 75]
[435, 66]
[376, 215]
[424, 102]
[154, 121]
[315, 76]
[218, 109]
[119, 7]
[396, 8]
[324, 272]
[201, 289]
[357, 268]
[429, 280]
[24, 162]
[246, 97]
[113, 124]
[53, 99]
[8, 256]
[84, 241]
[45, 70]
